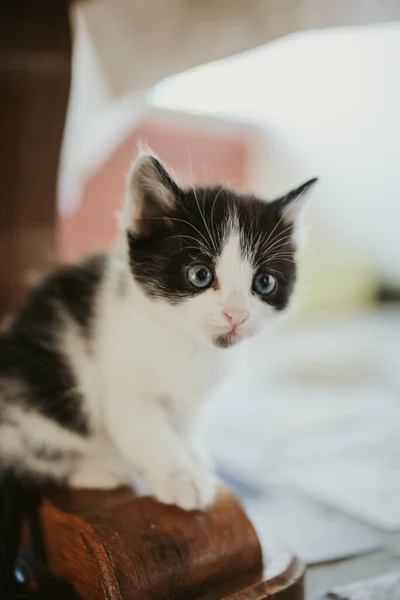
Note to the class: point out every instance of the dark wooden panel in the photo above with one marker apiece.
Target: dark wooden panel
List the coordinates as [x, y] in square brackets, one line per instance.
[125, 547]
[116, 546]
[35, 62]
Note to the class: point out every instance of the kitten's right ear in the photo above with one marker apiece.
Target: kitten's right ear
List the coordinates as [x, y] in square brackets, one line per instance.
[151, 193]
[293, 202]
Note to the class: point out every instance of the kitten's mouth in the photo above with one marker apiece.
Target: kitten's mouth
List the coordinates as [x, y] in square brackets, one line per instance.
[226, 340]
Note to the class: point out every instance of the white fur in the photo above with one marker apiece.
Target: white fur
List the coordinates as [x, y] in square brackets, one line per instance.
[154, 379]
[148, 371]
[25, 429]
[156, 365]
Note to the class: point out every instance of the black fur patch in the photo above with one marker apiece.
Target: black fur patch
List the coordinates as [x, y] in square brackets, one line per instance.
[225, 340]
[30, 351]
[193, 232]
[74, 287]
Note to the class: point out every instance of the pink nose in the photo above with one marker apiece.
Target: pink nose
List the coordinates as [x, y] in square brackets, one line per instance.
[236, 317]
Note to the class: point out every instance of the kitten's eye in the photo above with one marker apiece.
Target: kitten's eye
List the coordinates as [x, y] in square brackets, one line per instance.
[200, 276]
[264, 284]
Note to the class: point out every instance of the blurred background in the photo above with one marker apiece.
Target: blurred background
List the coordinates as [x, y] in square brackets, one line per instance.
[265, 95]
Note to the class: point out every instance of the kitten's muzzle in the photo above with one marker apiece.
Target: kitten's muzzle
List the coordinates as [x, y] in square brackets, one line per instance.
[235, 317]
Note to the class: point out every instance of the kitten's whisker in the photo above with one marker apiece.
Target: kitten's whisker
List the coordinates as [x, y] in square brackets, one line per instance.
[278, 247]
[284, 233]
[280, 253]
[180, 221]
[206, 225]
[183, 236]
[281, 239]
[193, 248]
[198, 205]
[289, 260]
[223, 187]
[286, 212]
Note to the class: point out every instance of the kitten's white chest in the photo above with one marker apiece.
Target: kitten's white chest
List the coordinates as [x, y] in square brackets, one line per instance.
[179, 373]
[188, 375]
[146, 361]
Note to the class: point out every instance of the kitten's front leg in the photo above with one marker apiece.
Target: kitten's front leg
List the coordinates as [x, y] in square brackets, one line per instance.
[188, 431]
[145, 437]
[201, 454]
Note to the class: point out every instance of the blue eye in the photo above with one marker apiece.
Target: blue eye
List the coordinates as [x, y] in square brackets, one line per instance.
[200, 276]
[264, 284]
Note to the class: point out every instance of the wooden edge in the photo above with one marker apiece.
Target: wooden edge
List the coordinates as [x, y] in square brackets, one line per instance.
[288, 585]
[121, 547]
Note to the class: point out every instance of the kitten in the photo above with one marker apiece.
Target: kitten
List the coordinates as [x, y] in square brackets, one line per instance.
[103, 371]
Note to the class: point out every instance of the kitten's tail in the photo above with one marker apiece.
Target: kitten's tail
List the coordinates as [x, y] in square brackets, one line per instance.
[14, 498]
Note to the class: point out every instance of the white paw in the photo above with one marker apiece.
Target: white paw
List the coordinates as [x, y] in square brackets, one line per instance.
[94, 481]
[202, 456]
[190, 488]
[100, 473]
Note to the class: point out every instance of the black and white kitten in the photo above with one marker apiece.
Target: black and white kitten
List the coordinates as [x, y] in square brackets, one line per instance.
[102, 372]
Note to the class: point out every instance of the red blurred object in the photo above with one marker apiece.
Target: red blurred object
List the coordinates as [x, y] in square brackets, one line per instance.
[198, 150]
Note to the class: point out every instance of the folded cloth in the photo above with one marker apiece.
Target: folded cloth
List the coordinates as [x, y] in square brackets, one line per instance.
[138, 43]
[385, 587]
[124, 47]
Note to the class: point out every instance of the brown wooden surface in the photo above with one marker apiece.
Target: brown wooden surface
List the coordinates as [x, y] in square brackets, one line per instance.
[288, 585]
[35, 54]
[107, 545]
[116, 546]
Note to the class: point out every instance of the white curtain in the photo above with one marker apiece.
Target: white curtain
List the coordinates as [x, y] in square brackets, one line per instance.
[123, 47]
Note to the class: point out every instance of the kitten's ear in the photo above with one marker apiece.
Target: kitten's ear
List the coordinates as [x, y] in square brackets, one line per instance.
[293, 203]
[151, 193]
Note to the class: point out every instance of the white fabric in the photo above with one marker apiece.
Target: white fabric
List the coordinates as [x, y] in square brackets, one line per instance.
[138, 43]
[317, 410]
[123, 47]
[386, 587]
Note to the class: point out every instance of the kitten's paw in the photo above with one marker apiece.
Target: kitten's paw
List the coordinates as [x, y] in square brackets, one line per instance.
[202, 456]
[100, 473]
[94, 481]
[191, 488]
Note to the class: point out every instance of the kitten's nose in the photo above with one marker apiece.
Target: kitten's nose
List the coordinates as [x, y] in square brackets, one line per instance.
[236, 316]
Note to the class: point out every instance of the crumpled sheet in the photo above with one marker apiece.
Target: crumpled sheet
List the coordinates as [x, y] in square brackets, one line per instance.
[385, 587]
[124, 47]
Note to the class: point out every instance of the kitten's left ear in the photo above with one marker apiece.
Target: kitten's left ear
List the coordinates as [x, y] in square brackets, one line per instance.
[151, 193]
[293, 203]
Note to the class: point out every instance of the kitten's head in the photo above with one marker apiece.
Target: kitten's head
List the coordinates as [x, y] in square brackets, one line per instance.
[217, 263]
